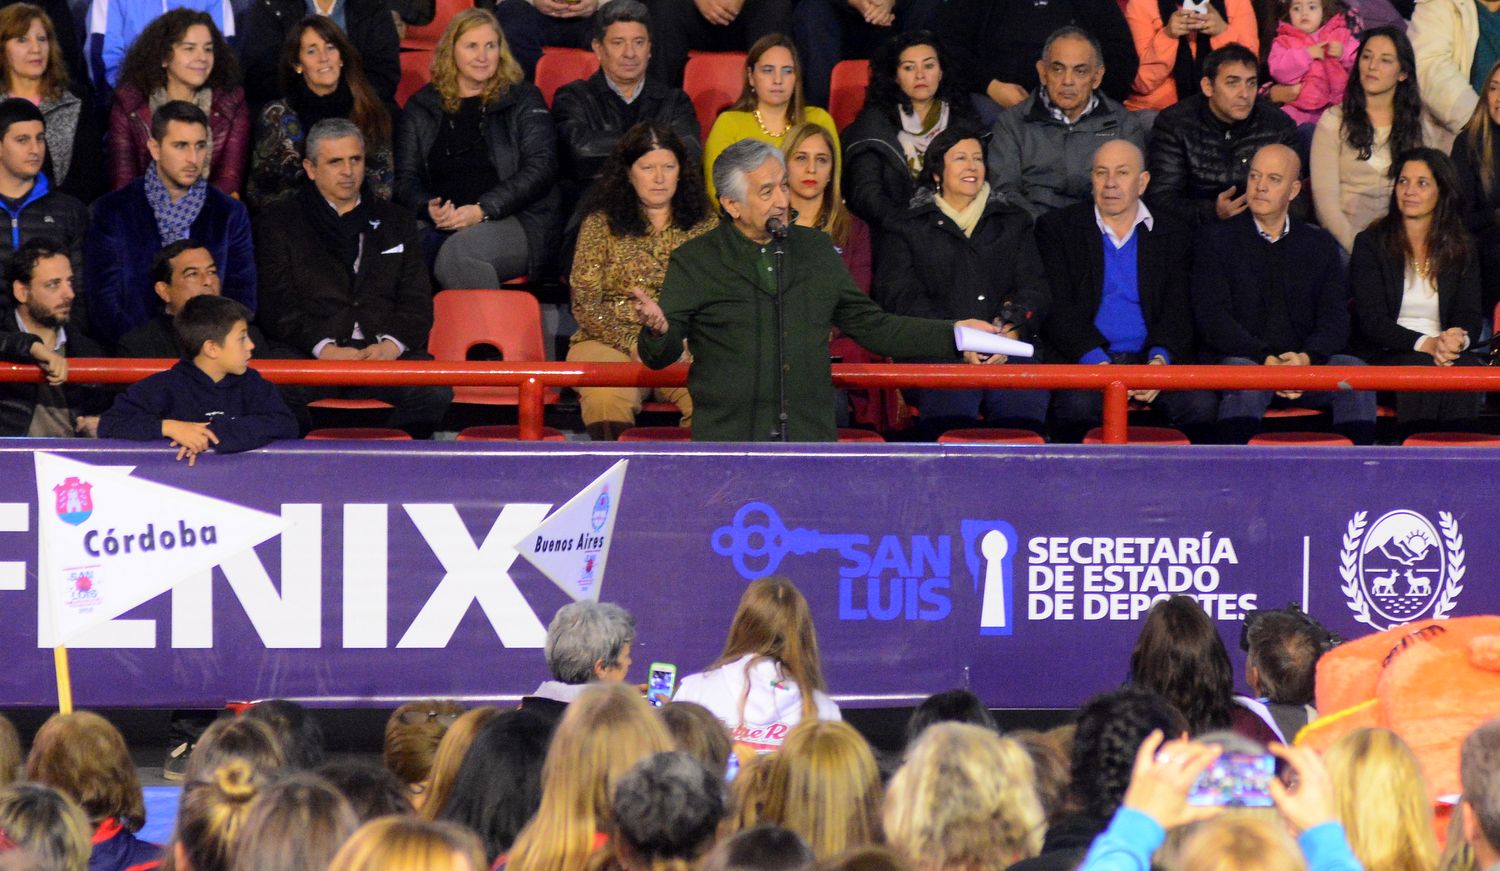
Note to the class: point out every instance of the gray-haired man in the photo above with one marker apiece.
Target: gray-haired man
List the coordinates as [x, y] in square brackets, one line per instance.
[586, 642]
[720, 296]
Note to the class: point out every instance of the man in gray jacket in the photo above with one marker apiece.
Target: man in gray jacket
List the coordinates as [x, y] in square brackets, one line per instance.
[1043, 147]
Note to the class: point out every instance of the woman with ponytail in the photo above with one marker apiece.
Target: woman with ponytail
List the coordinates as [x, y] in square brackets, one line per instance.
[211, 816]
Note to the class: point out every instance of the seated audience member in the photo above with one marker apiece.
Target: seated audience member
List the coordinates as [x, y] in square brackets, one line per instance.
[116, 26]
[770, 104]
[587, 642]
[235, 738]
[1119, 279]
[530, 25]
[62, 25]
[211, 816]
[1313, 51]
[1479, 807]
[210, 399]
[296, 823]
[84, 757]
[366, 26]
[477, 160]
[412, 735]
[37, 210]
[1352, 148]
[322, 77]
[769, 676]
[696, 731]
[964, 800]
[499, 785]
[1397, 830]
[1110, 728]
[297, 731]
[1454, 44]
[179, 272]
[605, 732]
[449, 758]
[172, 201]
[667, 811]
[1415, 281]
[403, 843]
[1157, 801]
[1201, 148]
[1476, 156]
[34, 329]
[710, 25]
[648, 201]
[1284, 303]
[594, 114]
[963, 252]
[46, 824]
[994, 44]
[1281, 663]
[32, 68]
[372, 790]
[761, 848]
[343, 277]
[830, 31]
[913, 96]
[1042, 150]
[949, 706]
[180, 56]
[1175, 42]
[1049, 762]
[824, 785]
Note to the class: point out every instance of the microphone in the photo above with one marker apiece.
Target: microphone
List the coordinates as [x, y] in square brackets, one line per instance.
[777, 227]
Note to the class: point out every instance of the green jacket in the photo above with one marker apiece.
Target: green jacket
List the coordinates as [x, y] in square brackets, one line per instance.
[719, 296]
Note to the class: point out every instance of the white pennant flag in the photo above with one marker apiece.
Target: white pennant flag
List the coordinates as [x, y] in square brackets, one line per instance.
[571, 547]
[109, 542]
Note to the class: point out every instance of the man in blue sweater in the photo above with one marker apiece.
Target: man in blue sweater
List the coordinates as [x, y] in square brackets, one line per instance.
[211, 398]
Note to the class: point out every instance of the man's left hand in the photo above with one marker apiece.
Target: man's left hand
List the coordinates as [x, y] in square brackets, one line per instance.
[1149, 396]
[383, 350]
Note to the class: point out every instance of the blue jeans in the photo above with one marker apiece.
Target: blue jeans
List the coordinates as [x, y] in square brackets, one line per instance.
[1353, 411]
[942, 410]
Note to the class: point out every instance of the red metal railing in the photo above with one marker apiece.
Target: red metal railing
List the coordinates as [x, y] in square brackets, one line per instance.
[533, 379]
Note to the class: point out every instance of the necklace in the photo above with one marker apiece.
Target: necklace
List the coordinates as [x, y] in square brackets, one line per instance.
[762, 125]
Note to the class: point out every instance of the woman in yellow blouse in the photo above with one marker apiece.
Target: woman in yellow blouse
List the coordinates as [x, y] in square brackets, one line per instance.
[769, 106]
[649, 200]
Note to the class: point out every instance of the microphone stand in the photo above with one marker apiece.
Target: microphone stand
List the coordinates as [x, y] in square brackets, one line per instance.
[778, 252]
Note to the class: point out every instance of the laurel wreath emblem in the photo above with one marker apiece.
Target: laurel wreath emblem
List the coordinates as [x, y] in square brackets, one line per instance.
[1453, 546]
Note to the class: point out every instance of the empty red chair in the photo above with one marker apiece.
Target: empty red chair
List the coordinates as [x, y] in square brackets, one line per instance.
[853, 434]
[560, 66]
[505, 433]
[425, 37]
[1143, 435]
[991, 435]
[416, 71]
[1451, 439]
[351, 404]
[657, 434]
[509, 320]
[846, 91]
[1292, 411]
[713, 81]
[1300, 439]
[352, 433]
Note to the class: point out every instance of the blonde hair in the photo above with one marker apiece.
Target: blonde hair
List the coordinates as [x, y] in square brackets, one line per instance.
[84, 756]
[1482, 132]
[824, 785]
[411, 747]
[1395, 832]
[773, 622]
[748, 792]
[965, 798]
[10, 749]
[606, 731]
[1239, 842]
[833, 216]
[213, 812]
[47, 824]
[449, 757]
[445, 69]
[404, 843]
[237, 738]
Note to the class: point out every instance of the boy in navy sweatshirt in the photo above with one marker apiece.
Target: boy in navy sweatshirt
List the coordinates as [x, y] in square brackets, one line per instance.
[211, 398]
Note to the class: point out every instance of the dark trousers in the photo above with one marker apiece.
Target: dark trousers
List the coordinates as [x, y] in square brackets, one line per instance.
[828, 31]
[417, 410]
[942, 410]
[527, 30]
[1425, 412]
[1075, 412]
[1353, 411]
[677, 28]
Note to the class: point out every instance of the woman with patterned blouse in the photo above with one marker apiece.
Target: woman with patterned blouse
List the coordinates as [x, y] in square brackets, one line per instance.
[648, 201]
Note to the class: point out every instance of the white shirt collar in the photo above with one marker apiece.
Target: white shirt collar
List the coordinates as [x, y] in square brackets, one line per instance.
[1286, 227]
[1142, 216]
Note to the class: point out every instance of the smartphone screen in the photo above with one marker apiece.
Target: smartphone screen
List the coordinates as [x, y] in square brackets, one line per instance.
[662, 682]
[1235, 780]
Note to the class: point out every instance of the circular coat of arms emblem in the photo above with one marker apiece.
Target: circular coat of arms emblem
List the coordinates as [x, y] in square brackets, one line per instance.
[1401, 566]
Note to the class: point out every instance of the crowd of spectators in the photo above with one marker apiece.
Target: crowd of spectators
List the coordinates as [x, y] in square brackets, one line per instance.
[1291, 183]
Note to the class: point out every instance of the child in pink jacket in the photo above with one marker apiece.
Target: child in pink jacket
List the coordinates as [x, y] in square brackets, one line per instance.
[1314, 47]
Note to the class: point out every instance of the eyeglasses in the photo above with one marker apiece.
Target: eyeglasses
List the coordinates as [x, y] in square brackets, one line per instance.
[413, 718]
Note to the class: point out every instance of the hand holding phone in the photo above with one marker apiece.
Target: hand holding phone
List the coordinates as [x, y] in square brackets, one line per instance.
[1235, 780]
[661, 683]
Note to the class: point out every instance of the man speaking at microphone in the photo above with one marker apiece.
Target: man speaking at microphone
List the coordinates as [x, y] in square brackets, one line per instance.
[720, 296]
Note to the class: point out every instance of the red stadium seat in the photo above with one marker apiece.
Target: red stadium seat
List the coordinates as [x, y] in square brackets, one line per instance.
[1300, 439]
[851, 434]
[510, 320]
[1144, 435]
[416, 71]
[657, 434]
[713, 81]
[1292, 412]
[425, 37]
[1452, 440]
[369, 433]
[560, 66]
[351, 404]
[505, 433]
[991, 435]
[846, 91]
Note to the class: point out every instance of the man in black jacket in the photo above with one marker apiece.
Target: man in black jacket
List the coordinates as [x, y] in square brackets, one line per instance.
[342, 276]
[368, 24]
[1119, 292]
[1270, 290]
[179, 272]
[26, 195]
[1201, 147]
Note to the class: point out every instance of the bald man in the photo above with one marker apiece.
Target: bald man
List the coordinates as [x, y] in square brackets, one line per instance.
[1270, 290]
[1118, 275]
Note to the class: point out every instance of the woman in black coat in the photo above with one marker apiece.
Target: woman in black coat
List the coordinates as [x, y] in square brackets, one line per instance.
[1415, 279]
[962, 252]
[367, 23]
[476, 159]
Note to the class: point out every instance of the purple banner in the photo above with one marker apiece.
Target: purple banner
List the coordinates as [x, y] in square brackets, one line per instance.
[1020, 573]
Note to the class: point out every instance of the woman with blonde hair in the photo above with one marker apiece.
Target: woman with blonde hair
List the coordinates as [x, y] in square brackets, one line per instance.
[825, 786]
[211, 817]
[964, 799]
[299, 824]
[448, 759]
[1239, 842]
[769, 676]
[32, 68]
[476, 160]
[237, 738]
[1394, 833]
[46, 824]
[606, 731]
[405, 843]
[412, 737]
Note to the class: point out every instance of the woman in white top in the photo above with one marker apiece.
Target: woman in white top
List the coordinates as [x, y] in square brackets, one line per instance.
[769, 677]
[1415, 280]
